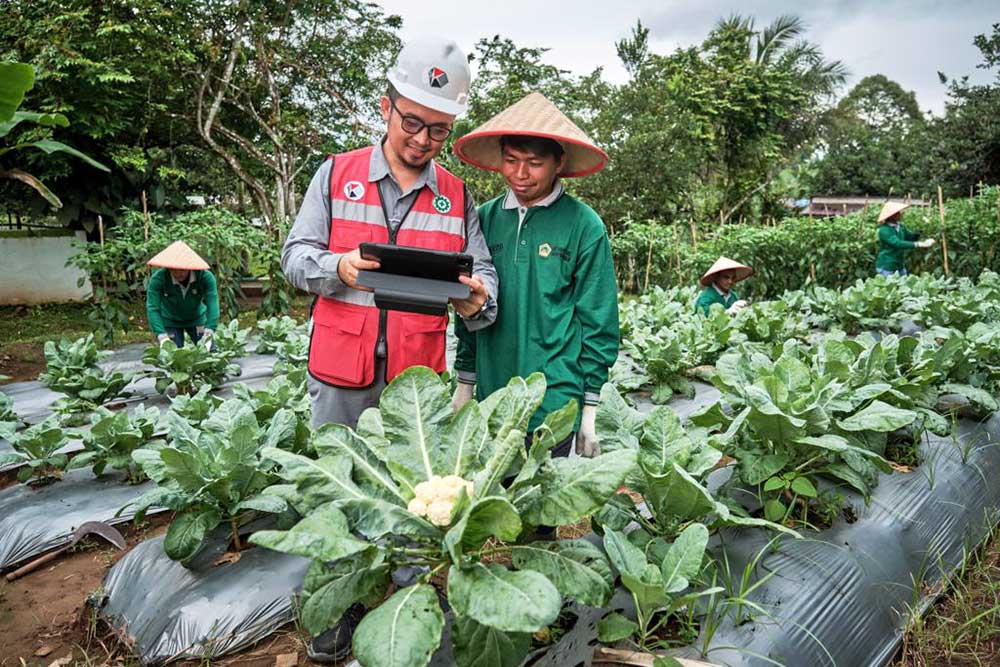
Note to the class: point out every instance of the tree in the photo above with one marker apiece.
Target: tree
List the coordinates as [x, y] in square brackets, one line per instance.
[876, 142]
[276, 82]
[967, 138]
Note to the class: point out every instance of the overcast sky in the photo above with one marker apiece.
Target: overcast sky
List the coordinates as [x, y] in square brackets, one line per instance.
[906, 40]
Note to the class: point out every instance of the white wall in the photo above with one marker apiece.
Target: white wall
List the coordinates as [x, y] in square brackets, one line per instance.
[33, 269]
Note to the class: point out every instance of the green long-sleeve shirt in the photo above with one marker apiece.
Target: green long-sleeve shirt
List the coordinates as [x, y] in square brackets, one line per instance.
[892, 246]
[167, 306]
[710, 295]
[558, 302]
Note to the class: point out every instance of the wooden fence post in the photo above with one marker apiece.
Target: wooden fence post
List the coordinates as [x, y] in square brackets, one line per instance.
[944, 236]
[649, 256]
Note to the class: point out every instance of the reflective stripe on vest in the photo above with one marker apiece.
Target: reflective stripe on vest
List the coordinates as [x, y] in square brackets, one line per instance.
[346, 327]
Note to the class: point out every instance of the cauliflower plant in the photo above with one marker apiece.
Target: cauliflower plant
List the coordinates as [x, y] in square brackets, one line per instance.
[436, 498]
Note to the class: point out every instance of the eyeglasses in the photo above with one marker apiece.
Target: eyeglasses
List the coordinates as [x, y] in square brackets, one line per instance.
[413, 125]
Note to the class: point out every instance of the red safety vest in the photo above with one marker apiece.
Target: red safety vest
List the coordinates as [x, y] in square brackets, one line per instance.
[346, 328]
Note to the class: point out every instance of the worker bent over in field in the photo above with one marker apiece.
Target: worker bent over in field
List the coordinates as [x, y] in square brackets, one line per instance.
[182, 298]
[553, 259]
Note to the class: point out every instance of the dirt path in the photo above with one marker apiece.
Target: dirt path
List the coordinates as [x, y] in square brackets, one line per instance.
[44, 617]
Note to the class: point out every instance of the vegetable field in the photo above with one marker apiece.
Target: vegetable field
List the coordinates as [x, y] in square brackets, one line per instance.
[764, 481]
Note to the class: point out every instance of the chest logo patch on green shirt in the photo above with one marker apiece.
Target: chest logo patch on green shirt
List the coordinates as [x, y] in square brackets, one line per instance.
[441, 204]
[544, 250]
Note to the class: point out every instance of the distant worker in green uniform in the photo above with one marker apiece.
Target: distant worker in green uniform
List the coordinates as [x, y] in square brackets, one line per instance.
[718, 282]
[894, 240]
[558, 299]
[181, 297]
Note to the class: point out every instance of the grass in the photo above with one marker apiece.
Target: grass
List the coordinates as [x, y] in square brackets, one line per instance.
[963, 628]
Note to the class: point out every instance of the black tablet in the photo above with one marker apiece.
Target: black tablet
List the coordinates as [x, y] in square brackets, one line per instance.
[418, 262]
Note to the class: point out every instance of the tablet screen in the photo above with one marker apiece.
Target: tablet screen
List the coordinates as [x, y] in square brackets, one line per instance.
[418, 262]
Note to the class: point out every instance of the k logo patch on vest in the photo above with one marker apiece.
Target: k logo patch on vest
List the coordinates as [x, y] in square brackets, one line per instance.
[441, 204]
[354, 190]
[544, 250]
[437, 77]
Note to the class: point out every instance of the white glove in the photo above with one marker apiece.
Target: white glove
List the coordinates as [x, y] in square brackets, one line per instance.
[463, 393]
[162, 338]
[206, 333]
[926, 243]
[736, 307]
[586, 438]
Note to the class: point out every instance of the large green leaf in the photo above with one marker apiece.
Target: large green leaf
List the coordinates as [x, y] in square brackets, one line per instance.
[187, 532]
[324, 535]
[15, 80]
[416, 408]
[663, 441]
[878, 416]
[676, 495]
[465, 440]
[326, 605]
[236, 424]
[573, 488]
[755, 466]
[375, 518]
[618, 424]
[509, 601]
[369, 471]
[614, 627]
[478, 645]
[184, 468]
[485, 518]
[404, 631]
[683, 560]
[558, 426]
[488, 481]
[318, 480]
[577, 568]
[51, 146]
[518, 402]
[625, 556]
[647, 587]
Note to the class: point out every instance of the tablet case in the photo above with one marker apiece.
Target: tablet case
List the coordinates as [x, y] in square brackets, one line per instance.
[414, 280]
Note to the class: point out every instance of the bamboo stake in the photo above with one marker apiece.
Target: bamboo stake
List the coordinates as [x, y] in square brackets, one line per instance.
[944, 236]
[145, 226]
[649, 257]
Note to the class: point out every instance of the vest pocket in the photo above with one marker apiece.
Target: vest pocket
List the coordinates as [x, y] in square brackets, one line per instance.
[420, 340]
[346, 236]
[337, 350]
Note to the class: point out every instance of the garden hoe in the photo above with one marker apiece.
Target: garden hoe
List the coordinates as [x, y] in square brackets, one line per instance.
[98, 528]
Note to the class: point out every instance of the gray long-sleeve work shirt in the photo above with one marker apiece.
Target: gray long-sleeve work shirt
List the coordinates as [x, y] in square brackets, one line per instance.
[310, 265]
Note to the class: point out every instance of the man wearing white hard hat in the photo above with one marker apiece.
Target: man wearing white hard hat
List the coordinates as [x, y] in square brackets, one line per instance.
[553, 256]
[182, 298]
[718, 284]
[392, 192]
[894, 240]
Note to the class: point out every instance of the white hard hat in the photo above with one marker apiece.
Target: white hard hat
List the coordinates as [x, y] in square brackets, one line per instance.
[433, 72]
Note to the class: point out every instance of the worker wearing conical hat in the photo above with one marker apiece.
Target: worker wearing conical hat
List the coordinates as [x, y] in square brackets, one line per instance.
[181, 296]
[718, 284]
[894, 240]
[559, 305]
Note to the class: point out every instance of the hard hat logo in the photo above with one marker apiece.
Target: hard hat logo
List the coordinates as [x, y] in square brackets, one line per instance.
[437, 77]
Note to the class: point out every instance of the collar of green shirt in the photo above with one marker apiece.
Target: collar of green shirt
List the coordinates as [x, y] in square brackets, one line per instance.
[510, 201]
[378, 169]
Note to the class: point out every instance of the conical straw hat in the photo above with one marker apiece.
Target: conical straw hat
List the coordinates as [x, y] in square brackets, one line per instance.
[532, 116]
[742, 271]
[178, 255]
[890, 209]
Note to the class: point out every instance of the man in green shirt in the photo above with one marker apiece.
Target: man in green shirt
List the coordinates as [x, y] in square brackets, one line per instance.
[718, 282]
[558, 300]
[894, 240]
[181, 296]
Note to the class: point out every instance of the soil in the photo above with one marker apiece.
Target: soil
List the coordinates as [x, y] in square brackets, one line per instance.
[44, 617]
[22, 361]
